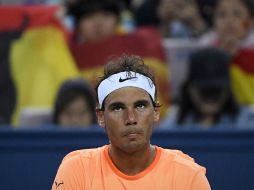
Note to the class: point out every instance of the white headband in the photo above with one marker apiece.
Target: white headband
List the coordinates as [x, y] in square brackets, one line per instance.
[125, 79]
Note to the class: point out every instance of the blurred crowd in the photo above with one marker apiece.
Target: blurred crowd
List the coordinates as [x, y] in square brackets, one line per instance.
[202, 53]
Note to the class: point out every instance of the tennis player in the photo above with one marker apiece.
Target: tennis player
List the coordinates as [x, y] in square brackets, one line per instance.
[128, 110]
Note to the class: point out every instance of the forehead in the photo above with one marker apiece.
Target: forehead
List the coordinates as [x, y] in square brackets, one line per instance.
[229, 4]
[127, 95]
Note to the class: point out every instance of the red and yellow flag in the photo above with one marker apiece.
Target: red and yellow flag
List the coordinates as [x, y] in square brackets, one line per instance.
[39, 58]
[145, 42]
[242, 74]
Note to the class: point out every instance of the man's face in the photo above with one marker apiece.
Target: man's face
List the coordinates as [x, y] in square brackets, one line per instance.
[128, 118]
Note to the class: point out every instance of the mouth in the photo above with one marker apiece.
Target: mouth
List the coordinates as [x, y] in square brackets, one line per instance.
[132, 134]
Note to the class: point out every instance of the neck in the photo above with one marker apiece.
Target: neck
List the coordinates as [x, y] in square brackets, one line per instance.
[134, 162]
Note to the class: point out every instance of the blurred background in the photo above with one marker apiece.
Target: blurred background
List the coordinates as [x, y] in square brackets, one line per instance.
[53, 51]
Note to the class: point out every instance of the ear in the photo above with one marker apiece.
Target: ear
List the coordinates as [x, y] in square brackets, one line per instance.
[156, 115]
[100, 117]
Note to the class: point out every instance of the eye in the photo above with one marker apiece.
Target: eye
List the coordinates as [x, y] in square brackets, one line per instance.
[117, 108]
[141, 105]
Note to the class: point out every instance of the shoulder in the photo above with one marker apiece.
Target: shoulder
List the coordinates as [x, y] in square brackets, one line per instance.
[83, 155]
[181, 160]
[186, 173]
[77, 168]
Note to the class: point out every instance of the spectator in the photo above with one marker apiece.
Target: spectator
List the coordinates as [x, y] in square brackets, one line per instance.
[206, 98]
[95, 20]
[233, 25]
[175, 18]
[181, 18]
[233, 32]
[75, 104]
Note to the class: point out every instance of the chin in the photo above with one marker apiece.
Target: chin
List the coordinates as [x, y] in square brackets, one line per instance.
[133, 146]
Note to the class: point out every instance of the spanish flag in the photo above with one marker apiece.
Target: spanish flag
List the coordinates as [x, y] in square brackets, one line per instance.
[39, 58]
[145, 42]
[242, 74]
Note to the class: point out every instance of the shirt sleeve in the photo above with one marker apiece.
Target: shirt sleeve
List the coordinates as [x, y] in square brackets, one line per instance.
[70, 175]
[200, 182]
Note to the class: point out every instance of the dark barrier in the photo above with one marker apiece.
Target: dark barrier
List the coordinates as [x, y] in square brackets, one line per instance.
[29, 158]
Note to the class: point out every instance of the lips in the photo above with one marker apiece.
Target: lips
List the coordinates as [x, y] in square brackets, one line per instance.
[133, 135]
[132, 132]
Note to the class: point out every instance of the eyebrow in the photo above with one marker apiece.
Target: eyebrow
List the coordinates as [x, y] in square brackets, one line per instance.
[146, 102]
[114, 104]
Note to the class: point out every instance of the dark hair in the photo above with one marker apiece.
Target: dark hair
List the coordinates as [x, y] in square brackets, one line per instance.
[84, 8]
[187, 107]
[126, 63]
[204, 65]
[210, 66]
[69, 91]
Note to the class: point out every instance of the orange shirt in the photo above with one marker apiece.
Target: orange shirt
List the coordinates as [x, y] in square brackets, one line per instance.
[92, 169]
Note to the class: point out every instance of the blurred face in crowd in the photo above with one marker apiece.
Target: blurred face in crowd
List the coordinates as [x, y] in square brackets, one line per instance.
[232, 20]
[97, 26]
[179, 9]
[208, 100]
[76, 113]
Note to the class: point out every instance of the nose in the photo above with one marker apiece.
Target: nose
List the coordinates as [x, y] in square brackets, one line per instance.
[130, 117]
[98, 20]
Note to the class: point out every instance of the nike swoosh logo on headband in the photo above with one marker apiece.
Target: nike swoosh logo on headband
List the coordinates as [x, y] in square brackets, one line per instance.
[128, 78]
